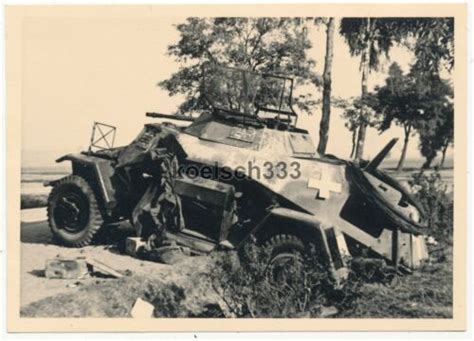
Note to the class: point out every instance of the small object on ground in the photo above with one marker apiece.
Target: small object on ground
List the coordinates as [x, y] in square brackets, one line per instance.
[73, 285]
[142, 309]
[103, 268]
[132, 244]
[66, 268]
[395, 280]
[328, 311]
[431, 241]
[168, 254]
[128, 273]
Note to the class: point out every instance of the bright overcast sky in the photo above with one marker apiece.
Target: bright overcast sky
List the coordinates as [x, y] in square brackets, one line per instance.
[77, 71]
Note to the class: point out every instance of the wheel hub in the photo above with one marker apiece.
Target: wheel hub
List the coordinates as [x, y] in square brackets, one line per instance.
[71, 212]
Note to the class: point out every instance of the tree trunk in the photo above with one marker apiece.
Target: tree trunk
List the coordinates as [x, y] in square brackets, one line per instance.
[404, 149]
[429, 159]
[354, 142]
[360, 142]
[443, 158]
[326, 110]
[365, 64]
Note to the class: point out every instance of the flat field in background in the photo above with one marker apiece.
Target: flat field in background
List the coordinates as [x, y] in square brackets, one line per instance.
[34, 193]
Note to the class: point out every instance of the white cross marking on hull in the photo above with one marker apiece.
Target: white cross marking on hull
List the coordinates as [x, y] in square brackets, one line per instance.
[324, 185]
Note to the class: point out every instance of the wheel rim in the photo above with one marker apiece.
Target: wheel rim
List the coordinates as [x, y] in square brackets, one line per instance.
[72, 210]
[280, 263]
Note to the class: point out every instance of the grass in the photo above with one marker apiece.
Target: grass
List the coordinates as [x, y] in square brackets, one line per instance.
[110, 298]
[427, 293]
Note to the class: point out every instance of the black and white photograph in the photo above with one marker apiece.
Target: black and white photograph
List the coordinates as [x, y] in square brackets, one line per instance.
[177, 164]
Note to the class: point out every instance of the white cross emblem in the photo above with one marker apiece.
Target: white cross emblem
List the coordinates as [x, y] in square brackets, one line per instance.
[324, 185]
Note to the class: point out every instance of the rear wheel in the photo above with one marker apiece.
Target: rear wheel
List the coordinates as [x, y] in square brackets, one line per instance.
[73, 212]
[286, 249]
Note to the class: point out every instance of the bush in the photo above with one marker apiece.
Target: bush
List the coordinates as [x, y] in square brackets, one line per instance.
[167, 300]
[250, 288]
[432, 194]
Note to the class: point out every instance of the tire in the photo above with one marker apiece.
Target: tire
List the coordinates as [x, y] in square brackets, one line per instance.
[284, 248]
[74, 215]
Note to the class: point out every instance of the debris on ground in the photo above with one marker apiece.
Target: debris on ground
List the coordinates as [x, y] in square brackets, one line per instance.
[100, 267]
[66, 268]
[132, 245]
[169, 253]
[73, 285]
[77, 268]
[142, 309]
[328, 311]
[431, 241]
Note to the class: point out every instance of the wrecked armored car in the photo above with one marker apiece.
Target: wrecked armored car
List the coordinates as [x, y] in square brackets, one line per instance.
[240, 169]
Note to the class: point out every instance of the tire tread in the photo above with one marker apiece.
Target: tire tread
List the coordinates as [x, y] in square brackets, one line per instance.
[96, 219]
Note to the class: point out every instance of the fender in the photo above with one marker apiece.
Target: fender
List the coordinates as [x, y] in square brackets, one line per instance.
[327, 239]
[97, 170]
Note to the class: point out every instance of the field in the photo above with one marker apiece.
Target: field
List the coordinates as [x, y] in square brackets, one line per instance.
[184, 289]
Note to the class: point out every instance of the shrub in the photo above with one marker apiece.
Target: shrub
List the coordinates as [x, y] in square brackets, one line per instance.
[432, 194]
[167, 300]
[250, 288]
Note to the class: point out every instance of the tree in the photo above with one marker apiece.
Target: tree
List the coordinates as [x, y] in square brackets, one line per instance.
[434, 49]
[435, 97]
[447, 133]
[267, 45]
[355, 117]
[368, 38]
[416, 101]
[431, 40]
[398, 101]
[326, 108]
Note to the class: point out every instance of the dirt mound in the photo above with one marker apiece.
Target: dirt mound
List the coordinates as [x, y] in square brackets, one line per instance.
[181, 291]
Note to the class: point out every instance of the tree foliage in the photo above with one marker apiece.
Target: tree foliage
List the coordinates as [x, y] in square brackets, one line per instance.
[436, 102]
[355, 117]
[418, 101]
[372, 34]
[266, 45]
[369, 38]
[398, 101]
[431, 40]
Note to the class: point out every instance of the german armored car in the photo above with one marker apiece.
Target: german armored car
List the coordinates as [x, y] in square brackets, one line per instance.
[240, 169]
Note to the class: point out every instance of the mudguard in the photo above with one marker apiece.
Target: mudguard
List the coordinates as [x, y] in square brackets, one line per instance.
[328, 240]
[99, 172]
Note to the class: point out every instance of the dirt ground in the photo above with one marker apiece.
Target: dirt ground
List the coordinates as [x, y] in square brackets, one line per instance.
[37, 246]
[426, 293]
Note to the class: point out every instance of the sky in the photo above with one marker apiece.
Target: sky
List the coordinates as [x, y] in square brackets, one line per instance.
[80, 70]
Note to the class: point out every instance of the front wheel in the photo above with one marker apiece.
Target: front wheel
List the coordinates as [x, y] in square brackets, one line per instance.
[74, 215]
